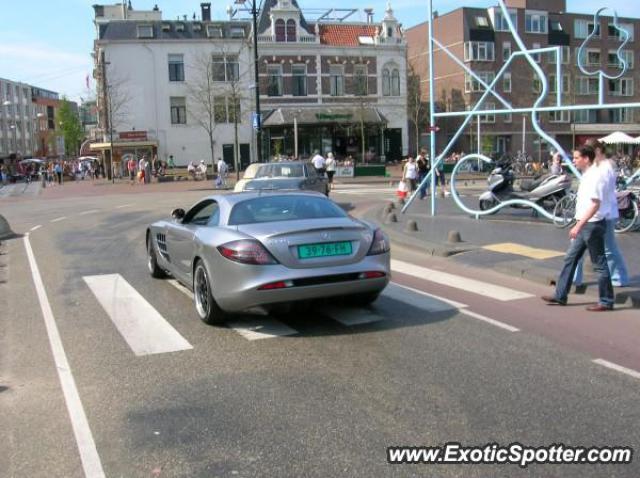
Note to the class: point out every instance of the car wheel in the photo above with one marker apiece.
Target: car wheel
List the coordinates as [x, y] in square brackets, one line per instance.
[206, 307]
[363, 299]
[152, 262]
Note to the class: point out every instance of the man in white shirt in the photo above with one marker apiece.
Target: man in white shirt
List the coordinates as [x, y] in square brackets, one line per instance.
[588, 233]
[318, 162]
[222, 173]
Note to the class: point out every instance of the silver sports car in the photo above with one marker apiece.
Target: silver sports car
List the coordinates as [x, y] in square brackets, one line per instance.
[248, 250]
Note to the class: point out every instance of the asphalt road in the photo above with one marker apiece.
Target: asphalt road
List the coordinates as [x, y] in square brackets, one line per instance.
[326, 400]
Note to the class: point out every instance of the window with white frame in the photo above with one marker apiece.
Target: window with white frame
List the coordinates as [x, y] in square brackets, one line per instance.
[299, 80]
[614, 32]
[482, 22]
[621, 115]
[621, 87]
[386, 82]
[566, 56]
[536, 56]
[178, 106]
[336, 80]
[584, 116]
[586, 85]
[489, 117]
[214, 31]
[227, 109]
[584, 28]
[589, 56]
[614, 61]
[500, 23]
[395, 82]
[553, 83]
[472, 85]
[507, 118]
[559, 116]
[555, 25]
[506, 82]
[176, 68]
[535, 22]
[225, 68]
[506, 50]
[274, 75]
[479, 51]
[360, 87]
[536, 85]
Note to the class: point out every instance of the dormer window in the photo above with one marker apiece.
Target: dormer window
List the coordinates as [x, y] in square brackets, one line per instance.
[237, 32]
[145, 31]
[285, 32]
[482, 22]
[214, 31]
[291, 30]
[179, 27]
[166, 27]
[390, 32]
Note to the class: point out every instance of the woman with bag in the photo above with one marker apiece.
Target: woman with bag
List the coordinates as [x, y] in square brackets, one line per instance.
[410, 173]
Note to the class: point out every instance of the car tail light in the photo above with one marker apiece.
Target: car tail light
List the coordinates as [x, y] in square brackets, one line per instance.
[247, 252]
[380, 243]
[282, 284]
[371, 275]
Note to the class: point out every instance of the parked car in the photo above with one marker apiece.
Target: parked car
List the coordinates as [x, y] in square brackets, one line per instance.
[290, 175]
[247, 250]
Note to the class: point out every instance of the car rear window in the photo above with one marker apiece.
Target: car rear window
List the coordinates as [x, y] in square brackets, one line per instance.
[280, 171]
[283, 208]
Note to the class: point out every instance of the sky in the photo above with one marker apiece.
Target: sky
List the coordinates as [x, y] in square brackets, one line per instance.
[48, 43]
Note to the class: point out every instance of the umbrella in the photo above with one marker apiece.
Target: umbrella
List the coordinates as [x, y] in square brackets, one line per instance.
[32, 160]
[87, 158]
[619, 138]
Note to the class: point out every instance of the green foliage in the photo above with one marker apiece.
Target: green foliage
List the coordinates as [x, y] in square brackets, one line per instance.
[70, 128]
[487, 144]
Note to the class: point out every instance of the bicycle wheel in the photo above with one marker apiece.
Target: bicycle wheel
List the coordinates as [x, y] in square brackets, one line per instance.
[565, 211]
[628, 217]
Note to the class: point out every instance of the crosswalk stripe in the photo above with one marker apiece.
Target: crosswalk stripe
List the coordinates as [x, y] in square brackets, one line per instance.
[139, 323]
[420, 299]
[485, 289]
[261, 328]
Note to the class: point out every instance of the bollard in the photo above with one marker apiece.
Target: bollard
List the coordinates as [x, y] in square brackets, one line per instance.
[454, 236]
[392, 205]
[411, 226]
[391, 218]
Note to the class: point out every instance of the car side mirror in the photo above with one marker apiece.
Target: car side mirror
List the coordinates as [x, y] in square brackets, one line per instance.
[178, 213]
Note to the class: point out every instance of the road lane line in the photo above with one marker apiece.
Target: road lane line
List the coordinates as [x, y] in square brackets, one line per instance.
[124, 205]
[142, 327]
[35, 228]
[469, 285]
[58, 219]
[420, 302]
[497, 323]
[617, 368]
[90, 211]
[181, 288]
[86, 445]
[261, 328]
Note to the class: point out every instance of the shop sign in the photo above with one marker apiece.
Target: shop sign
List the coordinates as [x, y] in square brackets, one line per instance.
[334, 117]
[133, 135]
[344, 171]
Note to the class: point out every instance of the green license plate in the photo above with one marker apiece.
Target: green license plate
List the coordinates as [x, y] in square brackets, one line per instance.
[309, 251]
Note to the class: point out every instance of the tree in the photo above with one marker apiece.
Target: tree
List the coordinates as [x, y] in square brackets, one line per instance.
[216, 94]
[416, 108]
[70, 128]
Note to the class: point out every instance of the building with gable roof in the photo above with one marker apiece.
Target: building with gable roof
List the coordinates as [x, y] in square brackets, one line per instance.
[327, 82]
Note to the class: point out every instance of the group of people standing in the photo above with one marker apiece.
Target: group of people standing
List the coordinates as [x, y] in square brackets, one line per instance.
[416, 169]
[596, 215]
[324, 165]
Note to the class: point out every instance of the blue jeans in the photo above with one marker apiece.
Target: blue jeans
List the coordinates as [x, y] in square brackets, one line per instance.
[423, 190]
[617, 267]
[591, 237]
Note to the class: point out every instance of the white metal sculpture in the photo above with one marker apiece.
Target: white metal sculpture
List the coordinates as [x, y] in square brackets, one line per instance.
[534, 111]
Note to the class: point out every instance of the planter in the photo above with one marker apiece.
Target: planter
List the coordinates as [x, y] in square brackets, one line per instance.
[370, 170]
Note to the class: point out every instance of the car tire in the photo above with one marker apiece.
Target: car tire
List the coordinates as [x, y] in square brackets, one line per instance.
[206, 307]
[363, 299]
[152, 262]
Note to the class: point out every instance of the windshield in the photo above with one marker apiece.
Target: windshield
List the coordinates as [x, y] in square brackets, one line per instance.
[283, 208]
[280, 171]
[251, 171]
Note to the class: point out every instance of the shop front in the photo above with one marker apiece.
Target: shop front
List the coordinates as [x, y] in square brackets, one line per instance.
[134, 144]
[337, 130]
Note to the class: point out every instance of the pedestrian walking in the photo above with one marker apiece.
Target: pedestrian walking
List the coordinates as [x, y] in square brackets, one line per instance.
[222, 167]
[58, 170]
[318, 162]
[410, 173]
[587, 234]
[423, 169]
[142, 168]
[330, 168]
[132, 166]
[615, 260]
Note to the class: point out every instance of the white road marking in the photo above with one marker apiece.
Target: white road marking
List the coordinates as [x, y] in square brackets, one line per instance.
[58, 219]
[261, 328]
[90, 211]
[617, 368]
[181, 288]
[497, 323]
[470, 285]
[352, 316]
[143, 328]
[431, 302]
[124, 205]
[35, 228]
[86, 445]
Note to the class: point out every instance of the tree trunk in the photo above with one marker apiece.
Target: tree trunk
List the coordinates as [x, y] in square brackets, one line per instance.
[362, 139]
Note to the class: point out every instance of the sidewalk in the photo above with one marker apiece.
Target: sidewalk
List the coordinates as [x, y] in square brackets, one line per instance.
[514, 244]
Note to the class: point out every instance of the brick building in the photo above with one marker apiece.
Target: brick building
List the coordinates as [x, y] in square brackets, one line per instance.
[480, 38]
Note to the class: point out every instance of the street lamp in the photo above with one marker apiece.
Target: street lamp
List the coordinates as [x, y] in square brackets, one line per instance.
[258, 120]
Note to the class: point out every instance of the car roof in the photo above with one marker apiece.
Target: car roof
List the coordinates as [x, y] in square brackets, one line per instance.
[234, 198]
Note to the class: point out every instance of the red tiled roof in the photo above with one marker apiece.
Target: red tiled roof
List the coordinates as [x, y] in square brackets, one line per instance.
[345, 35]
